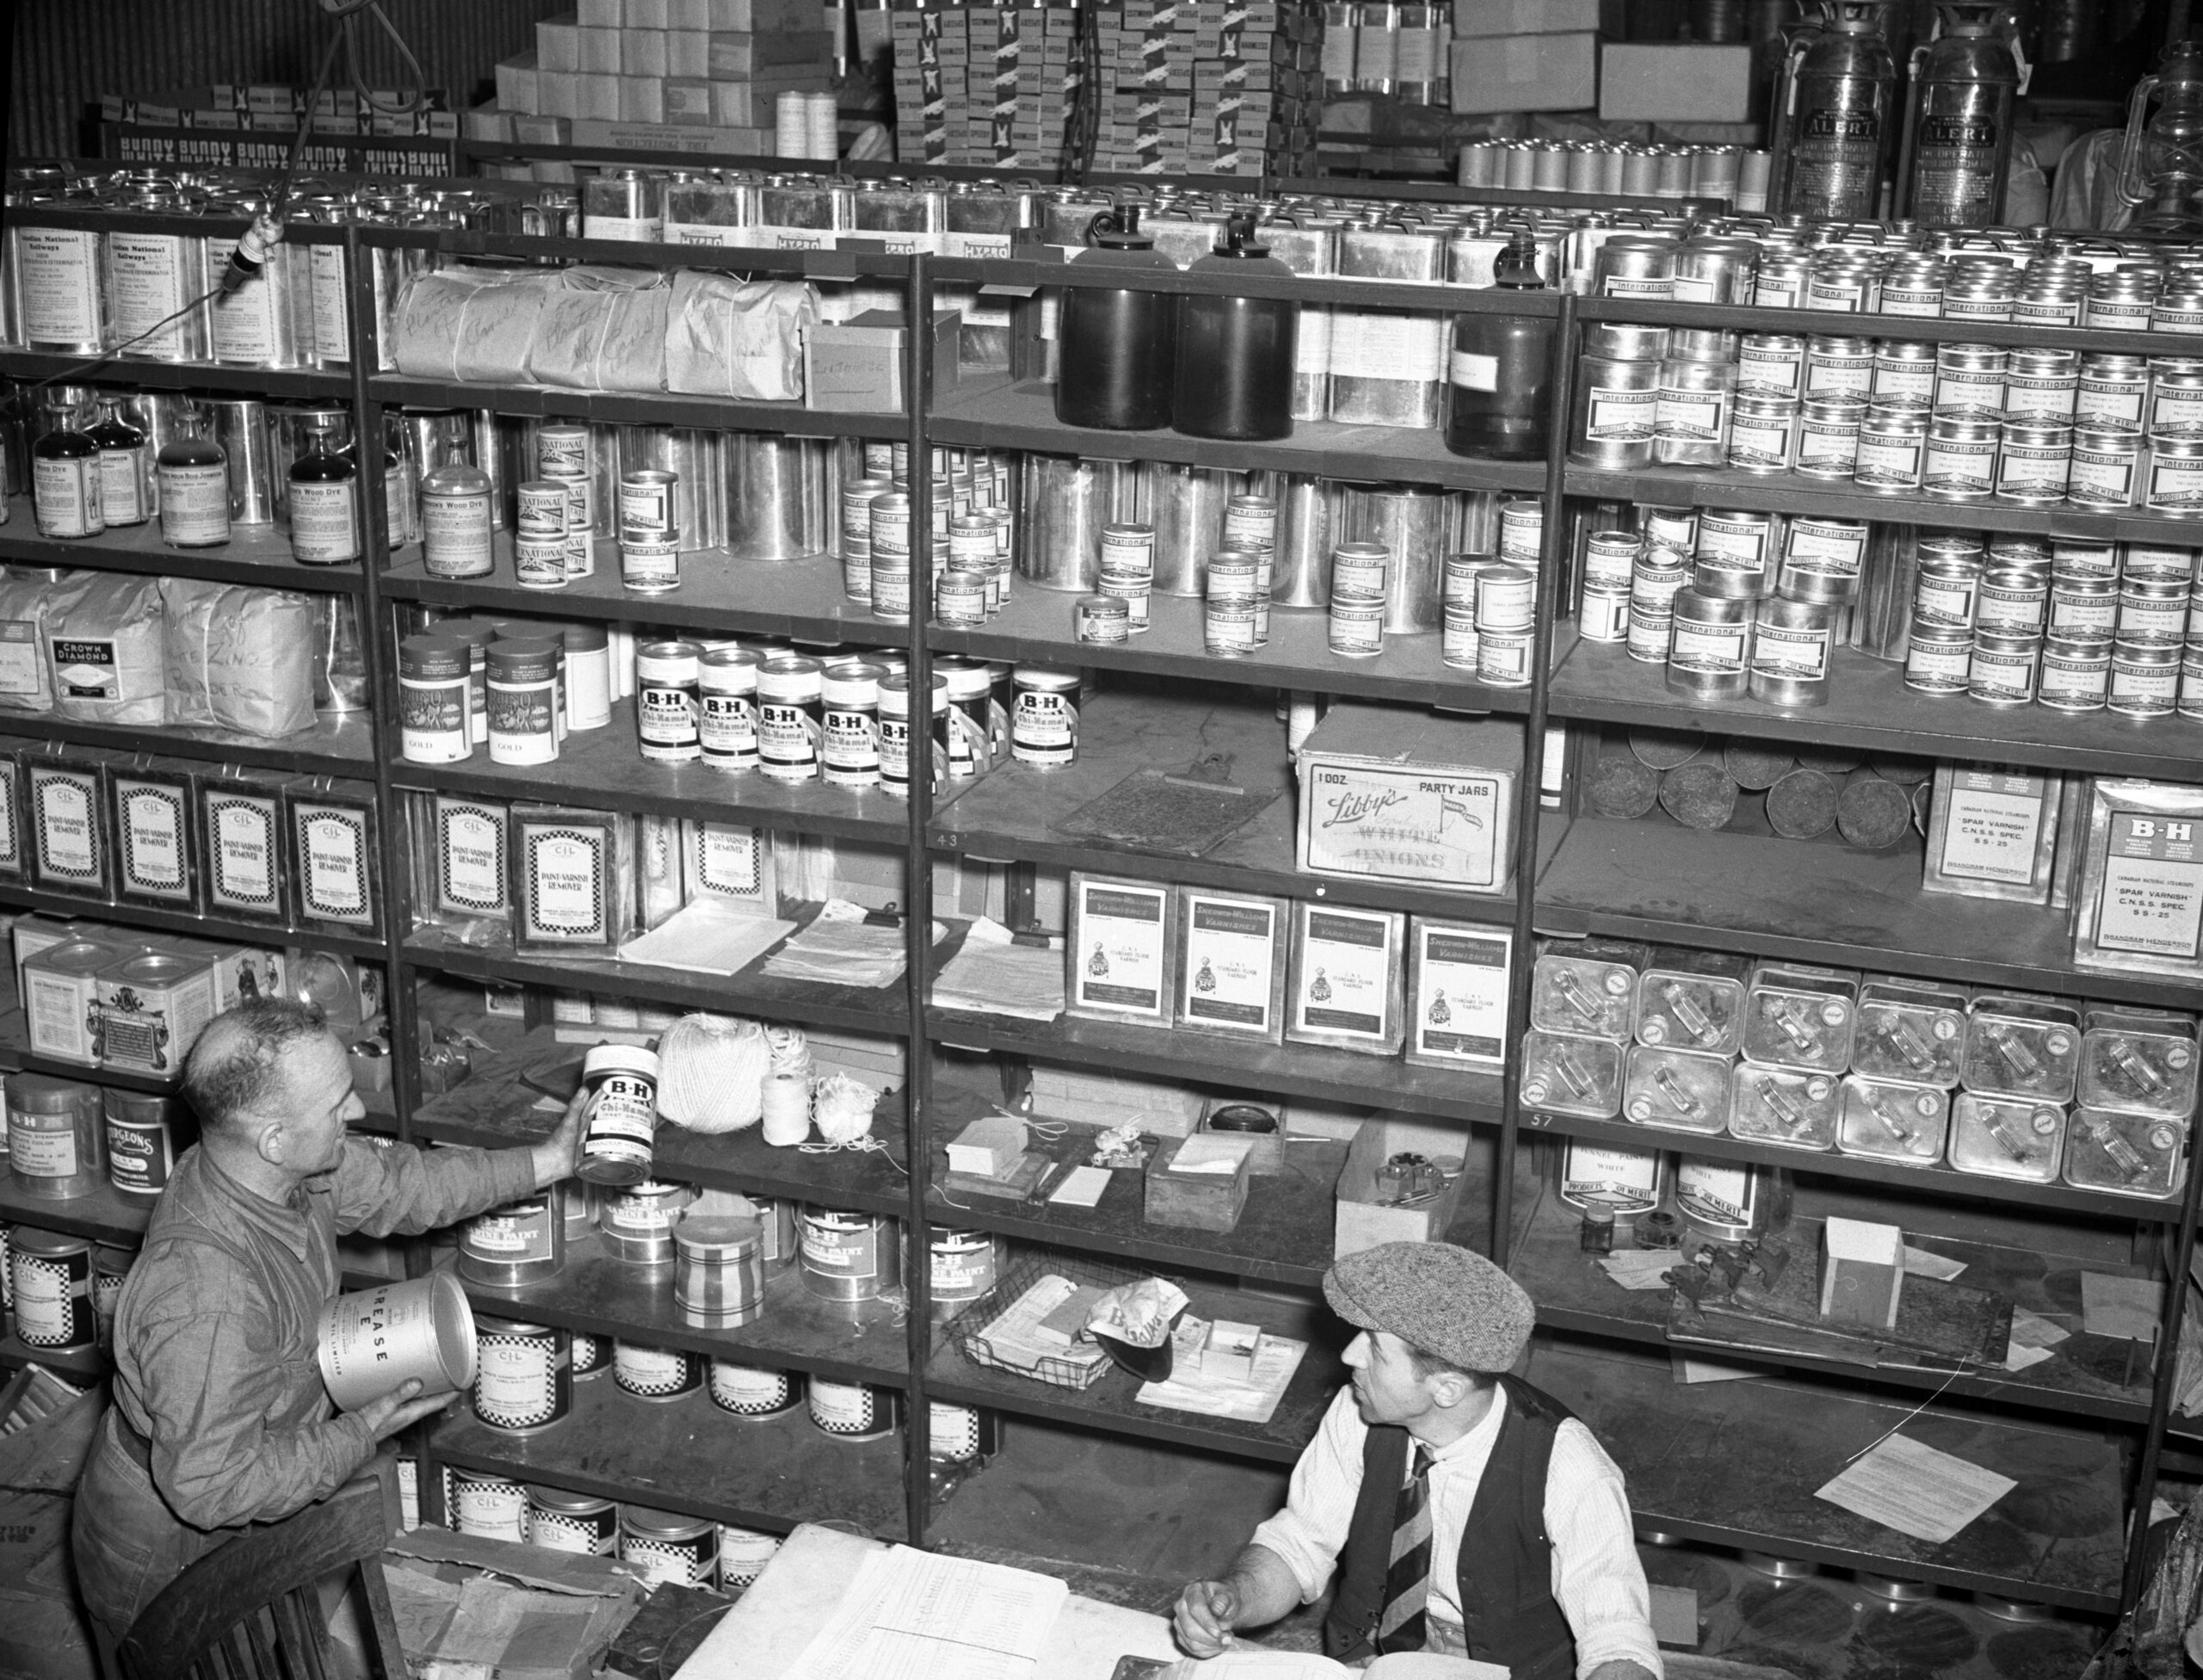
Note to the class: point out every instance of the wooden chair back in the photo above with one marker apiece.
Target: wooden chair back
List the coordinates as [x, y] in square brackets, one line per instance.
[251, 1609]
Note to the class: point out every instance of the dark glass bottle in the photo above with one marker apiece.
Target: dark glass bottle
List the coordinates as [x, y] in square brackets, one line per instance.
[1116, 349]
[66, 487]
[1499, 373]
[1235, 354]
[125, 477]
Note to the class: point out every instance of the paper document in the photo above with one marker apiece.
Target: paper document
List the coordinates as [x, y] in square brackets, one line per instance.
[1921, 1264]
[1910, 1486]
[916, 1615]
[2124, 1308]
[1082, 1186]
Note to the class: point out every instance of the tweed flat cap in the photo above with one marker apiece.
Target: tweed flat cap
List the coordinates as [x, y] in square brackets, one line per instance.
[1444, 1300]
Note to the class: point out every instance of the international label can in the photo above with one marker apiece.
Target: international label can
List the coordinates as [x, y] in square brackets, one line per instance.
[622, 1124]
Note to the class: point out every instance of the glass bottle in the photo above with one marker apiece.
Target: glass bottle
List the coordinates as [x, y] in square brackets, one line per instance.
[325, 486]
[125, 465]
[65, 475]
[195, 485]
[1500, 373]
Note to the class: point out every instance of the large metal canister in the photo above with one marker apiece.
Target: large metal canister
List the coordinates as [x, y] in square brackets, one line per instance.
[1387, 365]
[1300, 564]
[700, 490]
[1064, 501]
[1839, 116]
[1187, 506]
[776, 496]
[1958, 130]
[1416, 523]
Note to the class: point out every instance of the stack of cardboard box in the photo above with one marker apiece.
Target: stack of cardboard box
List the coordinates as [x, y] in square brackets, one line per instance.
[981, 85]
[615, 70]
[1529, 55]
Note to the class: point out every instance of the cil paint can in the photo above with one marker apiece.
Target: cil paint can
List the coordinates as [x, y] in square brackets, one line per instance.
[521, 1242]
[849, 1257]
[852, 1410]
[719, 1279]
[670, 1550]
[523, 1376]
[658, 1374]
[56, 1137]
[751, 1390]
[372, 1340]
[141, 1133]
[51, 1279]
[565, 1521]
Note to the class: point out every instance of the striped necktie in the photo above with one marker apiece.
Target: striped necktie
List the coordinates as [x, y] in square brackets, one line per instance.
[1407, 1580]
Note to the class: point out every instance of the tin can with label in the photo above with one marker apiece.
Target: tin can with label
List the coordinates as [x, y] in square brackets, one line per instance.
[2004, 668]
[141, 1134]
[1791, 645]
[622, 1124]
[564, 1522]
[1104, 620]
[1938, 659]
[2144, 679]
[2106, 462]
[1892, 446]
[522, 1242]
[750, 1391]
[2176, 477]
[726, 697]
[2075, 674]
[523, 1376]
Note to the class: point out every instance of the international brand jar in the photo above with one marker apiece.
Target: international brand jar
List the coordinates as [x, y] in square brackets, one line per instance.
[622, 1081]
[852, 1411]
[719, 1279]
[1905, 373]
[2004, 668]
[791, 723]
[751, 1390]
[2106, 466]
[523, 1376]
[141, 1135]
[1961, 463]
[726, 697]
[1938, 657]
[670, 1549]
[658, 1374]
[2113, 391]
[2034, 463]
[2075, 674]
[636, 1223]
[565, 1521]
[51, 1276]
[669, 701]
[1892, 445]
[1044, 717]
[2042, 385]
[849, 725]
[1763, 433]
[1828, 436]
[2145, 678]
[2176, 477]
[1791, 645]
[522, 1242]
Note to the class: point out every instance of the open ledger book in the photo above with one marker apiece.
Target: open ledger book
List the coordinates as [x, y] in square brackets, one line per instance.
[1249, 1665]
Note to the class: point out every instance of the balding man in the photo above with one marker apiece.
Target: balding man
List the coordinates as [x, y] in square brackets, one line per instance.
[220, 1417]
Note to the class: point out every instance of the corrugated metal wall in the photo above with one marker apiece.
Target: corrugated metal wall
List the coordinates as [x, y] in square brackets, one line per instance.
[68, 52]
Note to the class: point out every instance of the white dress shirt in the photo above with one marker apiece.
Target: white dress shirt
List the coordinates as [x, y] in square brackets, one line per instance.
[1596, 1575]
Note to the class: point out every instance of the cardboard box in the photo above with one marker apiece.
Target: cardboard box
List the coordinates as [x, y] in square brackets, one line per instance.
[855, 367]
[1664, 82]
[1537, 17]
[1526, 73]
[1395, 793]
[1359, 1219]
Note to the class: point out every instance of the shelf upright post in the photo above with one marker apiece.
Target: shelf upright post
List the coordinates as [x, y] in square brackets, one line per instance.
[917, 895]
[2167, 1351]
[377, 648]
[1551, 552]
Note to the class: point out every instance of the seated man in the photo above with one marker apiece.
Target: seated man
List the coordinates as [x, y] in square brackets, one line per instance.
[1465, 1511]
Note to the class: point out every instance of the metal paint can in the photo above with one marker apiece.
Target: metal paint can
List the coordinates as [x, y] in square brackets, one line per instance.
[523, 1376]
[370, 1342]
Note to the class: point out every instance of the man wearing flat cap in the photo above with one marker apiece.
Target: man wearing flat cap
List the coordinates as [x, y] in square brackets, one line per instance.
[1462, 1511]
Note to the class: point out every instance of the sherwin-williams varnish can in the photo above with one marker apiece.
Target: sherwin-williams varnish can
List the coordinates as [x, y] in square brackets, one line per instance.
[752, 1391]
[373, 1340]
[567, 1522]
[718, 1276]
[522, 1242]
[488, 1507]
[51, 1275]
[141, 1133]
[669, 1548]
[656, 1373]
[56, 1137]
[849, 1257]
[523, 1376]
[636, 1223]
[622, 1124]
[852, 1410]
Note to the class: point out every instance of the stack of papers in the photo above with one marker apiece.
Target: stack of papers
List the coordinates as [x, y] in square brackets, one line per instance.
[907, 1615]
[835, 952]
[991, 976]
[1017, 1339]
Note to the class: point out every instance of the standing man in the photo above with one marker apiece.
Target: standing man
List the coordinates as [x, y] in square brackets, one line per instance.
[220, 1417]
[1475, 1516]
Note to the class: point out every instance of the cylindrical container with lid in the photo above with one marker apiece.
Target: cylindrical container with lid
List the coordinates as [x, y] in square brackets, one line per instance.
[1792, 641]
[56, 1137]
[622, 1116]
[719, 1279]
[523, 1375]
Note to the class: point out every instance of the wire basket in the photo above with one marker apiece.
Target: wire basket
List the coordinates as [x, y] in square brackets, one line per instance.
[964, 1330]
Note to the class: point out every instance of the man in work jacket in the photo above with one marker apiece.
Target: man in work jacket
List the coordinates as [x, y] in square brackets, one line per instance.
[1464, 1511]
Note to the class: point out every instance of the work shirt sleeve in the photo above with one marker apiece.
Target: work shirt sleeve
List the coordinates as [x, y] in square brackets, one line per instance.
[403, 1191]
[1310, 1533]
[1596, 1575]
[211, 1370]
